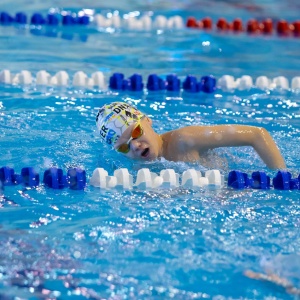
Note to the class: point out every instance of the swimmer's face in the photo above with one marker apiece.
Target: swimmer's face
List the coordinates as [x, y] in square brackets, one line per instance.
[144, 147]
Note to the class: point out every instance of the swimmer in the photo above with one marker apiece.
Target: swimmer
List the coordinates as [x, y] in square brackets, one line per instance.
[130, 132]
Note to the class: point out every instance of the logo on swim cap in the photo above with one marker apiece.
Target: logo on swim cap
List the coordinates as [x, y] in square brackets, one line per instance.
[114, 118]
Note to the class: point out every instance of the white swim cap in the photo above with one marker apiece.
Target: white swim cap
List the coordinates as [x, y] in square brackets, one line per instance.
[114, 118]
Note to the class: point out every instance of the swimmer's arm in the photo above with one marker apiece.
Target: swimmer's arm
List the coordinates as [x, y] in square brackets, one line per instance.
[209, 137]
[274, 279]
[268, 277]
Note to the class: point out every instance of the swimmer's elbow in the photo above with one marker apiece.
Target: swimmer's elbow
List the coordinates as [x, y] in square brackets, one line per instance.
[263, 131]
[260, 131]
[260, 135]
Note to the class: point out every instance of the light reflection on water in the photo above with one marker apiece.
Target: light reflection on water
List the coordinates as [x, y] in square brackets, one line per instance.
[182, 244]
[178, 238]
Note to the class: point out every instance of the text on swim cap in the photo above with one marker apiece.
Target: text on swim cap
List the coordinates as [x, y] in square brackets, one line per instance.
[118, 109]
[103, 131]
[111, 137]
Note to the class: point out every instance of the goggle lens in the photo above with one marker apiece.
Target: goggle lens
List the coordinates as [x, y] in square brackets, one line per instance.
[124, 148]
[137, 131]
[135, 134]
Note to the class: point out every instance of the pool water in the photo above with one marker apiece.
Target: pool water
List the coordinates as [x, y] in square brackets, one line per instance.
[160, 244]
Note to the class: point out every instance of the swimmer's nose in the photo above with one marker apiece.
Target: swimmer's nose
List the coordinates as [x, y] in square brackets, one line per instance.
[135, 145]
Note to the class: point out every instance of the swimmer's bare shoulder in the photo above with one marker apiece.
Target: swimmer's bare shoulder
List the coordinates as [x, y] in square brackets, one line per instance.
[184, 143]
[192, 137]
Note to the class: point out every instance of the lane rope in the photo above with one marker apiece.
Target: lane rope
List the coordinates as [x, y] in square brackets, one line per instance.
[76, 179]
[136, 21]
[171, 82]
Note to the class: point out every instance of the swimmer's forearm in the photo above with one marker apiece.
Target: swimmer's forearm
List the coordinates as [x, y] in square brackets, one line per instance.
[267, 149]
[274, 279]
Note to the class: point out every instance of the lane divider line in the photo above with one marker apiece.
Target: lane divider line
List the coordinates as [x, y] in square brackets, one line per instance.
[76, 179]
[171, 82]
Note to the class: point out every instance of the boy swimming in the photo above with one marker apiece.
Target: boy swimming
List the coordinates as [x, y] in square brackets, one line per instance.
[130, 132]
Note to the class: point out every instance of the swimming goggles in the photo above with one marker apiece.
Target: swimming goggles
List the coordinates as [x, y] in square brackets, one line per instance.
[136, 132]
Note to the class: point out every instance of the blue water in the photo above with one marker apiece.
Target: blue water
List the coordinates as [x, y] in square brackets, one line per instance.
[180, 244]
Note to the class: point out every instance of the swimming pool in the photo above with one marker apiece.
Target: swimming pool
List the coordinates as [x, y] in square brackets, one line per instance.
[159, 244]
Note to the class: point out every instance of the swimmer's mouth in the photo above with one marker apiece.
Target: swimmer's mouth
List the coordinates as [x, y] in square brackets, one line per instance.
[145, 152]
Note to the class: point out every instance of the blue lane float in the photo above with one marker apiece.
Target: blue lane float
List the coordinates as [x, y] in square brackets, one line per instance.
[172, 83]
[190, 84]
[29, 177]
[260, 180]
[53, 178]
[284, 181]
[76, 179]
[52, 19]
[155, 83]
[117, 82]
[69, 20]
[8, 176]
[240, 180]
[21, 18]
[37, 19]
[206, 84]
[135, 83]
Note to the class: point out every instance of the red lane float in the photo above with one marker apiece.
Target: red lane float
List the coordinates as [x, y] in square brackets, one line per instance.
[252, 26]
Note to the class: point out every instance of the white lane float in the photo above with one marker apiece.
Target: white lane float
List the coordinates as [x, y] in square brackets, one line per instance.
[167, 179]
